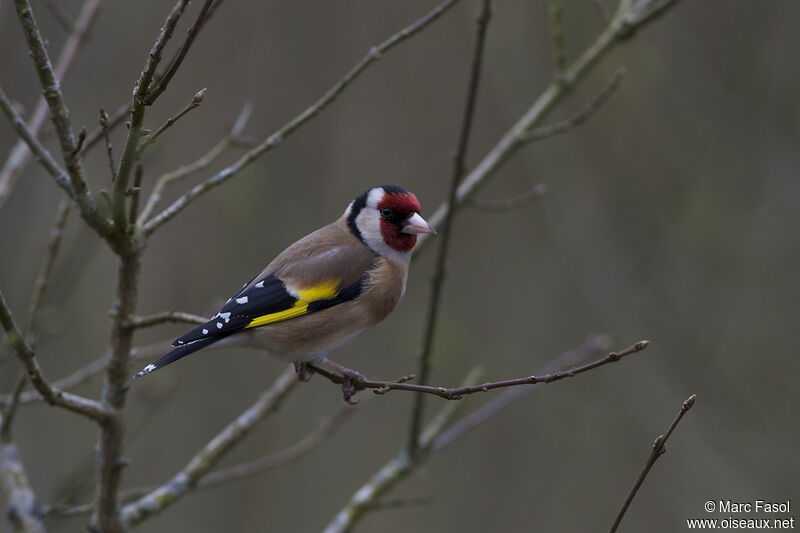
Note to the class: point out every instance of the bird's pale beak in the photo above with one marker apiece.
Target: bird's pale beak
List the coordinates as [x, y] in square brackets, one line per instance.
[415, 224]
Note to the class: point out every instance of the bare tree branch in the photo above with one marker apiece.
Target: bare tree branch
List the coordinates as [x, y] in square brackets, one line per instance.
[42, 282]
[627, 19]
[87, 372]
[105, 129]
[437, 283]
[166, 317]
[19, 155]
[402, 464]
[101, 132]
[659, 448]
[234, 473]
[382, 387]
[138, 106]
[436, 437]
[59, 116]
[284, 132]
[205, 459]
[23, 509]
[593, 346]
[39, 288]
[194, 103]
[72, 402]
[196, 166]
[115, 386]
[581, 116]
[294, 453]
[29, 139]
[161, 84]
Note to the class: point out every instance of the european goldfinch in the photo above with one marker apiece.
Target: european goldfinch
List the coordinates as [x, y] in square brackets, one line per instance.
[323, 290]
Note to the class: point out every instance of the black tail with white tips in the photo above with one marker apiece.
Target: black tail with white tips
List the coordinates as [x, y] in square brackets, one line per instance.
[177, 353]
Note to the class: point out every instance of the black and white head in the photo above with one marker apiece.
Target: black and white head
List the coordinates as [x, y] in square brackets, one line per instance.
[387, 219]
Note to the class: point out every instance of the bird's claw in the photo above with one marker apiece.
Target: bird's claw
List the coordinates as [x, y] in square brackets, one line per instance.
[350, 385]
[304, 371]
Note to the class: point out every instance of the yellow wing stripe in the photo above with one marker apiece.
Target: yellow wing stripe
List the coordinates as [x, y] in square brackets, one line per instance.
[323, 291]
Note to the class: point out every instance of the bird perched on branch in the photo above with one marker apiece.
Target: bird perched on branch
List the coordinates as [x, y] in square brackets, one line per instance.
[323, 290]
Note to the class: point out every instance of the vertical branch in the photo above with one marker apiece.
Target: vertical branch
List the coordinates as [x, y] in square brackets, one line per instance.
[627, 20]
[59, 116]
[115, 389]
[439, 270]
[659, 448]
[138, 106]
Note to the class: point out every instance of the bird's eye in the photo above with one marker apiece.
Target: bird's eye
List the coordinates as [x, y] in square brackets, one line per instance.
[386, 212]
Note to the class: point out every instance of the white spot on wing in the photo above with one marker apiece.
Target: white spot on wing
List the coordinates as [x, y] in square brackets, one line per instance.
[146, 370]
[225, 316]
[205, 331]
[242, 300]
[219, 325]
[260, 284]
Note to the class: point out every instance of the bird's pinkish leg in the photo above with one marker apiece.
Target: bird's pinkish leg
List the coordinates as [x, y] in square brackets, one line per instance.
[350, 377]
[304, 371]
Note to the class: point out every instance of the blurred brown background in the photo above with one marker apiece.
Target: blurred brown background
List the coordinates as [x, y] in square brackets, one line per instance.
[671, 215]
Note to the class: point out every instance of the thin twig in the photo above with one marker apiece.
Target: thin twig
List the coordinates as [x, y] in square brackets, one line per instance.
[510, 204]
[105, 128]
[85, 373]
[382, 387]
[284, 457]
[138, 106]
[166, 317]
[659, 448]
[205, 459]
[19, 155]
[72, 402]
[196, 166]
[275, 139]
[42, 281]
[59, 116]
[195, 102]
[626, 21]
[581, 116]
[400, 466]
[194, 29]
[101, 132]
[42, 155]
[234, 473]
[437, 282]
[593, 346]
